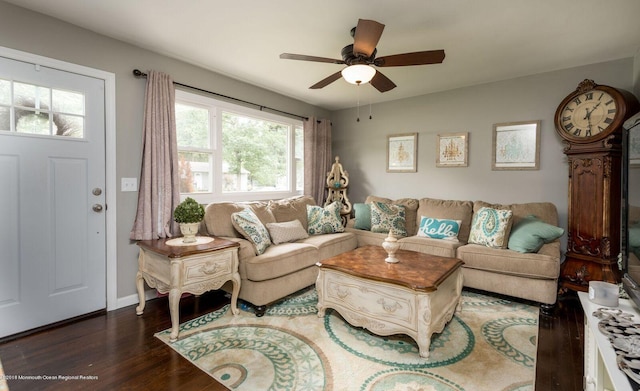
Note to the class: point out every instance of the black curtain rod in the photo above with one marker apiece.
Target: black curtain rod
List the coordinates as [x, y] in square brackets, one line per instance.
[138, 73]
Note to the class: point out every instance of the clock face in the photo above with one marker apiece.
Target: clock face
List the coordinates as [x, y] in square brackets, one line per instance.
[588, 114]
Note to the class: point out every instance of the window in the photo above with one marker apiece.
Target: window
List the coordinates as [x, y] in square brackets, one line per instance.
[232, 152]
[32, 109]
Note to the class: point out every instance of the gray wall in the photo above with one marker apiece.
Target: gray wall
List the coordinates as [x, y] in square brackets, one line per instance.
[35, 33]
[362, 145]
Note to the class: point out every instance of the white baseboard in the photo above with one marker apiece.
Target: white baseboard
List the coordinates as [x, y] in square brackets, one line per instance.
[133, 299]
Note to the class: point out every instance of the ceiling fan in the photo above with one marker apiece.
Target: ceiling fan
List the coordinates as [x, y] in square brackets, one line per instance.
[361, 55]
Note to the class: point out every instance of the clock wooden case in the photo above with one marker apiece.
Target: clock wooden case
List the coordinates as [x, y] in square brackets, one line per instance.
[590, 121]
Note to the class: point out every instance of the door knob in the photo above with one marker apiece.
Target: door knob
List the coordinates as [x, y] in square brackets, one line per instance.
[97, 208]
[96, 191]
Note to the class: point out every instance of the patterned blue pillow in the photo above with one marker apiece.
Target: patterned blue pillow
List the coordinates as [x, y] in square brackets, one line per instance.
[439, 228]
[388, 217]
[250, 226]
[490, 227]
[324, 220]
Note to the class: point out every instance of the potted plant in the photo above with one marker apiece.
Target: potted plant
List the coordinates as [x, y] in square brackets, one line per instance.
[189, 213]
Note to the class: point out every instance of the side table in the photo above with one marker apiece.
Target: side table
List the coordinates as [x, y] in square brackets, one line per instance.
[178, 269]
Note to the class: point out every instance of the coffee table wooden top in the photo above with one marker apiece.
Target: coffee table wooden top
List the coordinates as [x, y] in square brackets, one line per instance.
[417, 271]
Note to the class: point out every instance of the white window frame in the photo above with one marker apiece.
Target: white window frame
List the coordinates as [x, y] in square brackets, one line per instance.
[216, 107]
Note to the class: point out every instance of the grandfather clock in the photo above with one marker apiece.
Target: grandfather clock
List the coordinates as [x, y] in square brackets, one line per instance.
[590, 121]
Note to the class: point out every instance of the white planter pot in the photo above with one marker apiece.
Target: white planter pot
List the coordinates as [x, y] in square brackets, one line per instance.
[189, 231]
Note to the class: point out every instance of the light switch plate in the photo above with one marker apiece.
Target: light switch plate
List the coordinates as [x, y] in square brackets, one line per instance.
[128, 184]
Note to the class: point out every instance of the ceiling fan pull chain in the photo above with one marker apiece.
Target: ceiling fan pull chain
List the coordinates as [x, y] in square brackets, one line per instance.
[358, 102]
[369, 93]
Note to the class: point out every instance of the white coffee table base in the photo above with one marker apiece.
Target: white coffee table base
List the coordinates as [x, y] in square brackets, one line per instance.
[387, 309]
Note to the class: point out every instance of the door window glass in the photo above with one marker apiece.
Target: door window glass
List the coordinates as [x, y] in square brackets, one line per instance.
[32, 109]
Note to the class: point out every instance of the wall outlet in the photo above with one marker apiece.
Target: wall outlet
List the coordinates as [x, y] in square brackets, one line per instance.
[128, 184]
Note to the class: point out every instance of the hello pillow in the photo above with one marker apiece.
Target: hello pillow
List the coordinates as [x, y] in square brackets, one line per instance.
[444, 229]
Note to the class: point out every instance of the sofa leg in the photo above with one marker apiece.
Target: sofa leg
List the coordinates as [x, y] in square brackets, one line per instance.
[260, 310]
[547, 309]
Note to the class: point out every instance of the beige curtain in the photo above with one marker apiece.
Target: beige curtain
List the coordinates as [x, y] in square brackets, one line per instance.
[317, 157]
[159, 192]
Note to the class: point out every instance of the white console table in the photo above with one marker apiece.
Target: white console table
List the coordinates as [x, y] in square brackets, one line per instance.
[600, 369]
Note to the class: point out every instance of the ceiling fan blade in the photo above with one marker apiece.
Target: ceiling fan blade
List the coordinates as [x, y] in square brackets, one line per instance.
[382, 83]
[366, 38]
[302, 57]
[415, 58]
[326, 81]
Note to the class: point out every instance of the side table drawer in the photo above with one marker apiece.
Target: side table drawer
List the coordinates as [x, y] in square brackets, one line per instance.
[207, 267]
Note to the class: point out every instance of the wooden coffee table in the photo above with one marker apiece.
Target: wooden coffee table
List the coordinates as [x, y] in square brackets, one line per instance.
[416, 296]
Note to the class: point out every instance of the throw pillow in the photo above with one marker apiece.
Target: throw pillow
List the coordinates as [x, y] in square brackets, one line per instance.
[490, 227]
[363, 216]
[531, 233]
[324, 220]
[439, 228]
[289, 231]
[388, 217]
[248, 224]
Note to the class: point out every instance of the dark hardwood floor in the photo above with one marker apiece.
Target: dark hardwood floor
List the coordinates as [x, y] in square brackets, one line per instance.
[119, 349]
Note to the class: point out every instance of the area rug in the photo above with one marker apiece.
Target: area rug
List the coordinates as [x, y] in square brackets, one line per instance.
[490, 344]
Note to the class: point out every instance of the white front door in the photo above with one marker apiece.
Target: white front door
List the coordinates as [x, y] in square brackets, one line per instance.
[52, 182]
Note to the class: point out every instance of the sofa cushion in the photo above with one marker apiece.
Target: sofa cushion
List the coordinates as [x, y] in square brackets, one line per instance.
[449, 209]
[362, 216]
[278, 261]
[439, 247]
[509, 262]
[545, 211]
[388, 217]
[247, 223]
[332, 245]
[292, 208]
[530, 233]
[289, 231]
[439, 228]
[217, 216]
[410, 209]
[490, 227]
[324, 220]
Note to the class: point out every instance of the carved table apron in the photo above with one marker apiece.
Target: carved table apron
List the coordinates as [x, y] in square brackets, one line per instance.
[186, 269]
[416, 296]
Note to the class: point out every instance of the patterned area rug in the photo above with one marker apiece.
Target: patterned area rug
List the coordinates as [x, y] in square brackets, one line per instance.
[489, 345]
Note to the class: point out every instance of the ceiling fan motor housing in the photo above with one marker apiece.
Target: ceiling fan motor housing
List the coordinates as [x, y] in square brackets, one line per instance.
[351, 58]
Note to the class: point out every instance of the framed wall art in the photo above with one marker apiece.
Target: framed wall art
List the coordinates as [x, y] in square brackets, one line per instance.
[402, 152]
[452, 150]
[516, 146]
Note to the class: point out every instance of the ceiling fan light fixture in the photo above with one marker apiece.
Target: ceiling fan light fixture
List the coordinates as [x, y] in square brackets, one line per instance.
[358, 74]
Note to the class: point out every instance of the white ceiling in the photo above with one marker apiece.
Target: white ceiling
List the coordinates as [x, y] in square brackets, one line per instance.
[484, 40]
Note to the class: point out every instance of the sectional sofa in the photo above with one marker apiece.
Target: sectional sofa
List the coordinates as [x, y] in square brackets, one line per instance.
[283, 260]
[528, 270]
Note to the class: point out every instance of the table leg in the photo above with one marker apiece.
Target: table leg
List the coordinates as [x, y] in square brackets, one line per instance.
[234, 294]
[425, 327]
[174, 311]
[321, 307]
[141, 298]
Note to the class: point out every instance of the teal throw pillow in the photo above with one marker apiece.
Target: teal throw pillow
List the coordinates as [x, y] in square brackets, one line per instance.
[249, 225]
[363, 216]
[531, 233]
[490, 227]
[439, 228]
[324, 220]
[388, 217]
